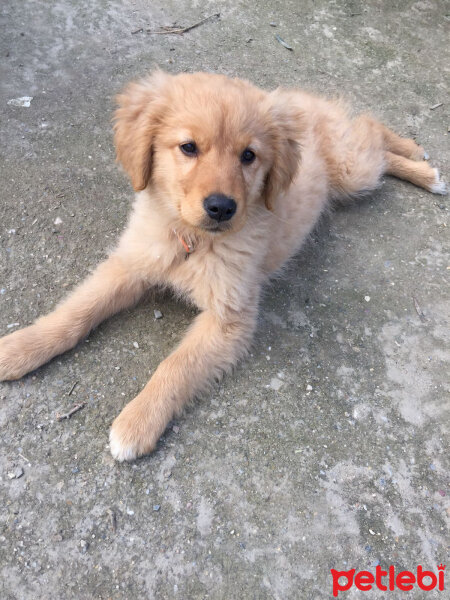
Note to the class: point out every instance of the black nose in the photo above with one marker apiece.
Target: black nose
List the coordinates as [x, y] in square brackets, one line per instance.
[219, 207]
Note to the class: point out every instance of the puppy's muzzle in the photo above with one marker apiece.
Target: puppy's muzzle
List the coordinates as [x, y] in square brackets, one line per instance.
[219, 207]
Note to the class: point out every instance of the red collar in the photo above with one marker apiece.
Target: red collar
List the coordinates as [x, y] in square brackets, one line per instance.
[187, 244]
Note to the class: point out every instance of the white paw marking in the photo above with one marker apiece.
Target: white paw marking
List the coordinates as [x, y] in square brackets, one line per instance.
[439, 186]
[119, 451]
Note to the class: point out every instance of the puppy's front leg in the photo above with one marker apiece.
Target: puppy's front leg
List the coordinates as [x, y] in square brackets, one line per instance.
[210, 348]
[111, 287]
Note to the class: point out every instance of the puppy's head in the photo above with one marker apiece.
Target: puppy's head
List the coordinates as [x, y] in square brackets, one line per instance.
[210, 146]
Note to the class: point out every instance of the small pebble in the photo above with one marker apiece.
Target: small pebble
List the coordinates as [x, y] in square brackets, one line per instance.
[309, 388]
[175, 429]
[156, 507]
[57, 221]
[158, 314]
[130, 512]
[16, 473]
[135, 344]
[367, 298]
[84, 545]
[23, 101]
[276, 384]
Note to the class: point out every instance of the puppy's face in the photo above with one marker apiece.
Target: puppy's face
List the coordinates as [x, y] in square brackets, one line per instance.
[211, 157]
[211, 147]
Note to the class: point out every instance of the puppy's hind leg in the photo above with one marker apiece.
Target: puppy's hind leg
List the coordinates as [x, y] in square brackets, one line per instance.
[110, 288]
[402, 146]
[419, 173]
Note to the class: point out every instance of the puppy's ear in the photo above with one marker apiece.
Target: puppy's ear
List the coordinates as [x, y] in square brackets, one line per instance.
[140, 109]
[286, 125]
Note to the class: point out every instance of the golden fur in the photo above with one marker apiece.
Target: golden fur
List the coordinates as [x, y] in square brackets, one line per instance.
[308, 152]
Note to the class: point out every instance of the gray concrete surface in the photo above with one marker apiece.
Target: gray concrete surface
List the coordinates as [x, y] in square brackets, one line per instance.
[327, 448]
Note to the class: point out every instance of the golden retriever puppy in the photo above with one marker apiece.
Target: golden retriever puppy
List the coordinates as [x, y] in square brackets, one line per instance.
[230, 180]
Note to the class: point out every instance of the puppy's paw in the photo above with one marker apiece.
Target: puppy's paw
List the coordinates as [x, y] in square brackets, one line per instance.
[418, 153]
[439, 186]
[132, 435]
[15, 358]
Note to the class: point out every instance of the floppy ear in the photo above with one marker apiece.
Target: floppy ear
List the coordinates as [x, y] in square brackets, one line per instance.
[287, 122]
[136, 120]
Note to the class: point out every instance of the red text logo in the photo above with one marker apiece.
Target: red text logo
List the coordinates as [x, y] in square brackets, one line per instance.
[388, 580]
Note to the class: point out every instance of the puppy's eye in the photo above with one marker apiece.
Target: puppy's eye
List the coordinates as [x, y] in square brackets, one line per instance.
[190, 149]
[247, 157]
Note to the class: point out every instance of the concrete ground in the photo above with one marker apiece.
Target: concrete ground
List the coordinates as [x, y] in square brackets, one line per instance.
[327, 448]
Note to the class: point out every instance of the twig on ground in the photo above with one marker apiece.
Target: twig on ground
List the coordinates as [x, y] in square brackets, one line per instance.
[71, 412]
[72, 388]
[283, 43]
[419, 310]
[25, 458]
[168, 29]
[113, 519]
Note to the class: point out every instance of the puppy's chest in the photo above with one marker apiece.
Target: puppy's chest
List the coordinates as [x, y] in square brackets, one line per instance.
[214, 280]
